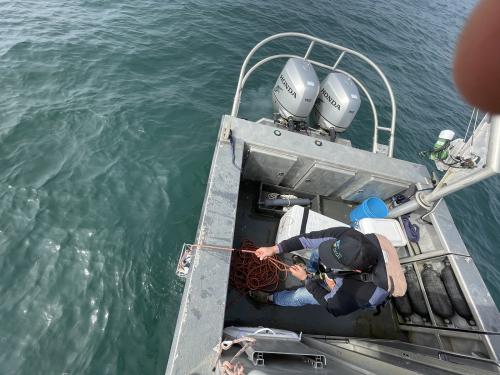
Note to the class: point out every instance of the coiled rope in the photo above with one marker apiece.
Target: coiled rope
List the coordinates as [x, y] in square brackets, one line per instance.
[248, 272]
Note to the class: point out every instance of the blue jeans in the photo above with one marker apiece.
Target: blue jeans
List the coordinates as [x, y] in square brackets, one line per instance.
[300, 296]
[297, 297]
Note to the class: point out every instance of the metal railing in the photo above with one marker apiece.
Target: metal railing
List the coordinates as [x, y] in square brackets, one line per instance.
[245, 74]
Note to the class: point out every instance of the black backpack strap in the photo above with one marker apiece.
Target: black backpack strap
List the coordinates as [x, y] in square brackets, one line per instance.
[305, 216]
[363, 276]
[342, 233]
[366, 278]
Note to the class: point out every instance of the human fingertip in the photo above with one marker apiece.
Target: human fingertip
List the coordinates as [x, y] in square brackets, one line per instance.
[477, 57]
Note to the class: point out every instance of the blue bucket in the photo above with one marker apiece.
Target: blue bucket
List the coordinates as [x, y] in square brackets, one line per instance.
[371, 207]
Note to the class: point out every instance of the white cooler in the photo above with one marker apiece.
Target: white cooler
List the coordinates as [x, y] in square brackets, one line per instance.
[291, 224]
[389, 228]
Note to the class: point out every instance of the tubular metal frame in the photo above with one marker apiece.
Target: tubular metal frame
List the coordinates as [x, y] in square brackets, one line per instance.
[245, 74]
[490, 168]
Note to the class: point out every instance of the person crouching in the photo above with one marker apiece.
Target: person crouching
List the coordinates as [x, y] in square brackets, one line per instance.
[359, 271]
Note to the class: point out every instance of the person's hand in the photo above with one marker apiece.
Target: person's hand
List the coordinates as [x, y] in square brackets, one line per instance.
[264, 252]
[298, 272]
[329, 282]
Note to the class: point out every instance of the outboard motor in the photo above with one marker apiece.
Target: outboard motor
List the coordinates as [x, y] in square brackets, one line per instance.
[337, 103]
[294, 93]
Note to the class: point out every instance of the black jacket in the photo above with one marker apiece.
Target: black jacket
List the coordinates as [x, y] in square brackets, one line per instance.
[349, 294]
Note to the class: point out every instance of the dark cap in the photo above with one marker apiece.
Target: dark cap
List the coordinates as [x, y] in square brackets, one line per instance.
[352, 249]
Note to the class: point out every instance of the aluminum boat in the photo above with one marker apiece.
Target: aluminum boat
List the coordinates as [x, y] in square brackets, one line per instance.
[300, 151]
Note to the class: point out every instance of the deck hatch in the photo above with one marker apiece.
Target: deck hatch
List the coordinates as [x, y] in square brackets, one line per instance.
[268, 166]
[372, 186]
[323, 179]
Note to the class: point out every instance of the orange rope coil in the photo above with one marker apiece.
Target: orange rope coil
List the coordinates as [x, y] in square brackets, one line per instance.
[248, 272]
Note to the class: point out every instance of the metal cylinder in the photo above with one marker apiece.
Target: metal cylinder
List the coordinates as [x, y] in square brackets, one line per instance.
[287, 202]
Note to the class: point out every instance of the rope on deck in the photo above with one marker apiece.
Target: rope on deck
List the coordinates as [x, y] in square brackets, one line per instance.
[248, 272]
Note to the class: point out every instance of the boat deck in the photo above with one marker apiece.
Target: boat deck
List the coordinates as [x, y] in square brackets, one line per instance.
[242, 311]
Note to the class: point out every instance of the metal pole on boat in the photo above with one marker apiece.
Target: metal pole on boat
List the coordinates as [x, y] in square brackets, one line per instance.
[490, 168]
